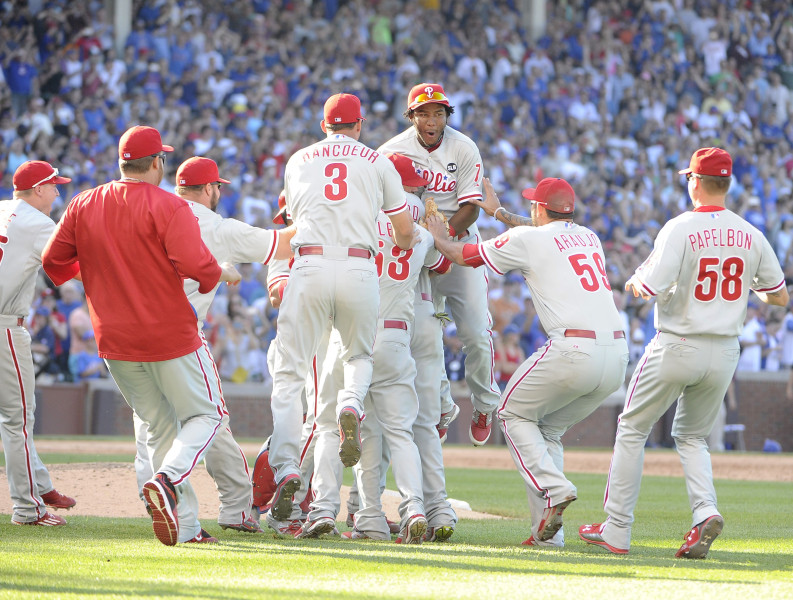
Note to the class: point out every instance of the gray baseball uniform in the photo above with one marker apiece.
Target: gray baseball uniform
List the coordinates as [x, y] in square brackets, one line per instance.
[392, 404]
[334, 190]
[453, 172]
[701, 270]
[564, 268]
[24, 232]
[232, 241]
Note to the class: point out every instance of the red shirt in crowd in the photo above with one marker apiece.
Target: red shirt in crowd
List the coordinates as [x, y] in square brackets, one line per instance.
[135, 243]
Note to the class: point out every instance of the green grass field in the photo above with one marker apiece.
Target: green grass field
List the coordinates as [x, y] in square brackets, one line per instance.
[120, 558]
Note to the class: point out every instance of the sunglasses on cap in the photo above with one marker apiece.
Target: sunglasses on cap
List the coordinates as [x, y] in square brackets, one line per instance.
[46, 179]
[160, 155]
[689, 176]
[433, 97]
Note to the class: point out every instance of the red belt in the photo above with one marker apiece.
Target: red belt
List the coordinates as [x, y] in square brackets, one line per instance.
[588, 333]
[356, 252]
[387, 324]
[426, 296]
[20, 321]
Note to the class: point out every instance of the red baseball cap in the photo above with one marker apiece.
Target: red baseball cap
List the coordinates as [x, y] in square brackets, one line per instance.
[554, 194]
[343, 108]
[710, 161]
[140, 141]
[198, 171]
[407, 170]
[427, 93]
[33, 173]
[280, 217]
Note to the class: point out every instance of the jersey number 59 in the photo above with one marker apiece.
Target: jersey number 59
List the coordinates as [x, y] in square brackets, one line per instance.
[709, 283]
[590, 280]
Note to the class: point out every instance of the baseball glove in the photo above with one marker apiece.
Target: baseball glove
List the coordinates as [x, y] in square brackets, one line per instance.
[430, 209]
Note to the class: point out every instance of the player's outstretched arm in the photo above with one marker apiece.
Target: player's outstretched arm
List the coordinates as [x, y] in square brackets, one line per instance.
[780, 298]
[449, 248]
[405, 234]
[492, 206]
[284, 250]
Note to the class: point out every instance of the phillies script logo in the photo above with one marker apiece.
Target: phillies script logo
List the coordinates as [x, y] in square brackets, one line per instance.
[438, 182]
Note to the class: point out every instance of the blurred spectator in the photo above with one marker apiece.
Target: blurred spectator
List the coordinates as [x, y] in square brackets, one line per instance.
[611, 95]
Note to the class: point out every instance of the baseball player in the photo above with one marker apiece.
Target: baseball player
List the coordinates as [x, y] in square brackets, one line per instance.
[452, 169]
[564, 268]
[334, 191]
[392, 404]
[229, 240]
[25, 227]
[263, 477]
[700, 271]
[136, 243]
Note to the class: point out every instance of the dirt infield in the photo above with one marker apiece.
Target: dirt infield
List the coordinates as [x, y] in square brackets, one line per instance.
[109, 489]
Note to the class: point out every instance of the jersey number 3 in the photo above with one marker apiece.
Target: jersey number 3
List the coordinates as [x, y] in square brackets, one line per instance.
[337, 188]
[590, 280]
[731, 286]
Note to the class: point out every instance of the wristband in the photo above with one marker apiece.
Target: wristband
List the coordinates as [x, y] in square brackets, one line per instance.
[495, 212]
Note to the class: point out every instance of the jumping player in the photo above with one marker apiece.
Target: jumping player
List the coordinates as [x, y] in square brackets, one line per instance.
[564, 268]
[136, 243]
[452, 169]
[701, 270]
[334, 191]
[25, 227]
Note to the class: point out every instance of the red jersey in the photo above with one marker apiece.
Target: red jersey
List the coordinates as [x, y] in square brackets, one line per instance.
[135, 243]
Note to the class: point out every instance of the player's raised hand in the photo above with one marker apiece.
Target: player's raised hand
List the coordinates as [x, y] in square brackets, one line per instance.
[491, 203]
[634, 285]
[230, 274]
[437, 227]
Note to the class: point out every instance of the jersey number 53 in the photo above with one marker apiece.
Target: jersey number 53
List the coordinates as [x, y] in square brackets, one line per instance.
[397, 269]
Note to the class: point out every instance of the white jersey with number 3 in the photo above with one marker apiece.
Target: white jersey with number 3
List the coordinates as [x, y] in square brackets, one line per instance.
[701, 269]
[558, 256]
[336, 188]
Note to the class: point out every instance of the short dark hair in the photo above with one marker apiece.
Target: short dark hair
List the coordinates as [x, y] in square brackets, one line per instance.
[181, 189]
[137, 165]
[408, 114]
[552, 214]
[714, 184]
[339, 126]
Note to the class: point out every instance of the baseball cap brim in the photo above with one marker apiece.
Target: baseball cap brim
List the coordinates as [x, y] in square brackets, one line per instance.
[167, 148]
[684, 171]
[60, 179]
[529, 193]
[221, 180]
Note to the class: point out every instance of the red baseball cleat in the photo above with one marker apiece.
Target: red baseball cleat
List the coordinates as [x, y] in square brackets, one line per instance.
[46, 520]
[551, 521]
[481, 426]
[591, 535]
[54, 499]
[203, 538]
[700, 538]
[160, 495]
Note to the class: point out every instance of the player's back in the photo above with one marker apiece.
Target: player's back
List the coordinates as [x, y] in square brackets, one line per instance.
[24, 231]
[335, 189]
[565, 269]
[703, 267]
[399, 270]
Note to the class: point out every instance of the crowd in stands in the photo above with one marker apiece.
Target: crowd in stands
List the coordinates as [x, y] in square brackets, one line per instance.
[614, 96]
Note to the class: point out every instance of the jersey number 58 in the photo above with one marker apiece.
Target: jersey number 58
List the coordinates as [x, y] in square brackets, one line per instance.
[731, 286]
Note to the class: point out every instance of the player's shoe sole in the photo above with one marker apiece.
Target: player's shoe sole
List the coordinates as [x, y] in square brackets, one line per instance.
[552, 520]
[439, 534]
[315, 529]
[162, 501]
[700, 538]
[350, 432]
[281, 507]
[414, 530]
[46, 520]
